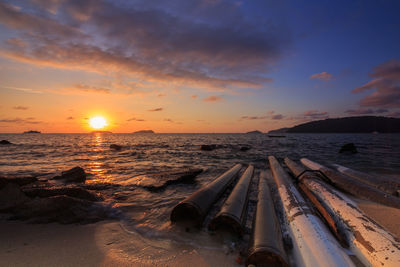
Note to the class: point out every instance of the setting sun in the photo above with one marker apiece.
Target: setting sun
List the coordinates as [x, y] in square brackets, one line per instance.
[97, 122]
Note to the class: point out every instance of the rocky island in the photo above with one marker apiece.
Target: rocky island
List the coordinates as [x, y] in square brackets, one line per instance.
[360, 124]
[144, 132]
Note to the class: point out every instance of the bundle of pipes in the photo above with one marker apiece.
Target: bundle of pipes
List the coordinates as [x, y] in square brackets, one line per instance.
[196, 206]
[354, 187]
[313, 243]
[266, 246]
[232, 215]
[371, 243]
[384, 184]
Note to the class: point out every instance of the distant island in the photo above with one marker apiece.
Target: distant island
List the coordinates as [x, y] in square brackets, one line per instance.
[254, 132]
[32, 132]
[279, 131]
[102, 132]
[362, 124]
[144, 132]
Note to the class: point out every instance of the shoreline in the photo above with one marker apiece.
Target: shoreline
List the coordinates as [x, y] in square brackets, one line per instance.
[99, 244]
[106, 243]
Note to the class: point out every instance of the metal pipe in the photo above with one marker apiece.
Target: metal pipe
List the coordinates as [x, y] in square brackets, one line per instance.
[196, 206]
[313, 243]
[384, 184]
[266, 245]
[232, 215]
[371, 243]
[354, 187]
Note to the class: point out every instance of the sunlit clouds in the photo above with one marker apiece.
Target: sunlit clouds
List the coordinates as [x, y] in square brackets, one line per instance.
[195, 65]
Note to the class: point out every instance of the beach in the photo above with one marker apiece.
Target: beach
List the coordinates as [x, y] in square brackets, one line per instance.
[131, 222]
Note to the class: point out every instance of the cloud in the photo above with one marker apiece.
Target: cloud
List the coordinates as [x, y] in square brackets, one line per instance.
[254, 117]
[194, 47]
[91, 89]
[70, 118]
[315, 114]
[29, 120]
[363, 111]
[323, 76]
[20, 108]
[395, 114]
[213, 98]
[135, 119]
[156, 109]
[172, 121]
[27, 90]
[385, 86]
[277, 117]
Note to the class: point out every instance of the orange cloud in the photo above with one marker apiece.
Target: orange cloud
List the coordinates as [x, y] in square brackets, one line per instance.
[213, 98]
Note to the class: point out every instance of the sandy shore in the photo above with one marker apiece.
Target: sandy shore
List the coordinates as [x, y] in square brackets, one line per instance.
[110, 244]
[100, 244]
[387, 217]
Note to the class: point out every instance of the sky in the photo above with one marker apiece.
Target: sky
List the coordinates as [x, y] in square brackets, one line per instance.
[195, 65]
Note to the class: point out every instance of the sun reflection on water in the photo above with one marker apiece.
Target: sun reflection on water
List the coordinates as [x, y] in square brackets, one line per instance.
[96, 166]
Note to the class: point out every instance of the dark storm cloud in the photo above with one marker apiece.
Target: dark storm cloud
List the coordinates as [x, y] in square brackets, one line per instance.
[152, 42]
[385, 86]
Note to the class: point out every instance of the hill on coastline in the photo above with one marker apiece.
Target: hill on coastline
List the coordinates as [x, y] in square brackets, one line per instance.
[362, 124]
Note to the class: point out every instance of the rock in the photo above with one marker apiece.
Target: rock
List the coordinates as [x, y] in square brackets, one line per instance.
[76, 174]
[62, 209]
[70, 191]
[5, 142]
[144, 132]
[100, 186]
[115, 147]
[17, 180]
[245, 148]
[210, 147]
[159, 181]
[348, 148]
[11, 196]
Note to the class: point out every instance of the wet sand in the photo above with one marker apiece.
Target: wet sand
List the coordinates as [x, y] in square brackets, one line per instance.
[387, 217]
[100, 244]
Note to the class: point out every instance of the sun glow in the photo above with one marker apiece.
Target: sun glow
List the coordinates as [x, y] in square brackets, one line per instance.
[98, 122]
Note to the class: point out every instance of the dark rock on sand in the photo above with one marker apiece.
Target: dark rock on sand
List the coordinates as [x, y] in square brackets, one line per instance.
[62, 209]
[5, 142]
[115, 147]
[70, 191]
[245, 148]
[17, 180]
[348, 148]
[159, 181]
[11, 196]
[76, 174]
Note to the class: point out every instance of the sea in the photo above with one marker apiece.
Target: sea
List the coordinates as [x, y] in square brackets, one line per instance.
[147, 213]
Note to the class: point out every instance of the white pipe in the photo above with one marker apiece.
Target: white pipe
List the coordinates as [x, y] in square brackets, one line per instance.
[370, 242]
[314, 245]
